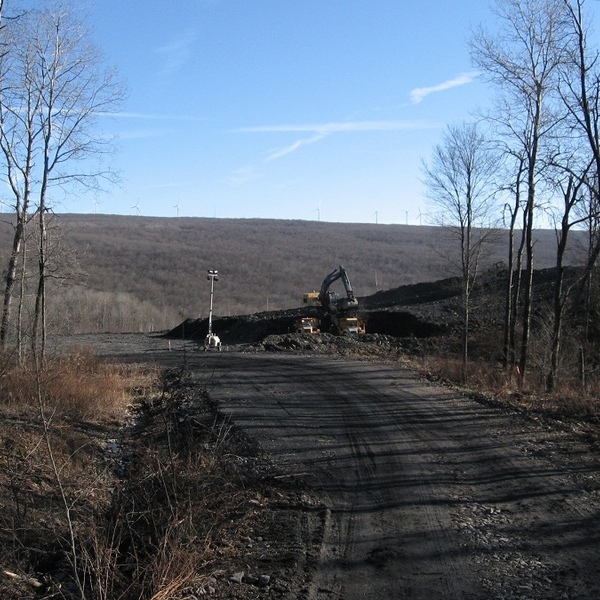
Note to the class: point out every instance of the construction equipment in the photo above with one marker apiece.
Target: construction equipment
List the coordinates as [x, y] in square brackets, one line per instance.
[331, 299]
[212, 340]
[336, 315]
[351, 325]
[307, 325]
[311, 299]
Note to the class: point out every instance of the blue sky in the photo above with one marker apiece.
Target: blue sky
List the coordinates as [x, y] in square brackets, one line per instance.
[306, 109]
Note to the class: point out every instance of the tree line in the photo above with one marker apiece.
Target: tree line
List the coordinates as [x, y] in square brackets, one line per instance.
[533, 156]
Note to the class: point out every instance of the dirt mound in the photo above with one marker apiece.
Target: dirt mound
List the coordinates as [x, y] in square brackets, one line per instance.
[368, 345]
[421, 311]
[257, 328]
[244, 329]
[419, 293]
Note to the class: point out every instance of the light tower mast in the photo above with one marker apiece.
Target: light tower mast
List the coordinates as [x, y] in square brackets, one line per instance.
[212, 341]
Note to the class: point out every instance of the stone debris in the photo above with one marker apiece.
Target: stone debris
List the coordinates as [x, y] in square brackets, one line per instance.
[511, 572]
[240, 577]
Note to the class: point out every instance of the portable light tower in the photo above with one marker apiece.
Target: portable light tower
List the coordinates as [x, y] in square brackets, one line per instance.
[212, 340]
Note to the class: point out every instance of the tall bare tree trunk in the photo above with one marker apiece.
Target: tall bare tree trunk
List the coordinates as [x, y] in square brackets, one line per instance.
[22, 293]
[465, 330]
[559, 301]
[11, 278]
[532, 161]
[516, 297]
[592, 236]
[513, 280]
[39, 318]
[528, 291]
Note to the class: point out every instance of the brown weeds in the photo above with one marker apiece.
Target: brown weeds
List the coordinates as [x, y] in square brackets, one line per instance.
[98, 508]
[569, 399]
[76, 385]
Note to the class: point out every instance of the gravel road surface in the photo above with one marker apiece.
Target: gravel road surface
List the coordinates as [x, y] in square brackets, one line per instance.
[428, 494]
[423, 493]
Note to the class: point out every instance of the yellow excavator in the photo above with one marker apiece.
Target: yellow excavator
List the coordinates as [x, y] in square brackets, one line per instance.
[334, 314]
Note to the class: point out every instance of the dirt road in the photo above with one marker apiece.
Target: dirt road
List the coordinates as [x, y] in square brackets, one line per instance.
[427, 494]
[423, 493]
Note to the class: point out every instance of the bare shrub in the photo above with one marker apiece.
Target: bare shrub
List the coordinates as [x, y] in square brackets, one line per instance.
[480, 375]
[76, 384]
[487, 377]
[151, 518]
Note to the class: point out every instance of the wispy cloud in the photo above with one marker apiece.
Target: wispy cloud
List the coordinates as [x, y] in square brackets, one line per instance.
[149, 117]
[418, 94]
[341, 126]
[280, 152]
[153, 128]
[320, 131]
[175, 54]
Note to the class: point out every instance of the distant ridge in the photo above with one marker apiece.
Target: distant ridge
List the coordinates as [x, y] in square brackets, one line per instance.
[264, 264]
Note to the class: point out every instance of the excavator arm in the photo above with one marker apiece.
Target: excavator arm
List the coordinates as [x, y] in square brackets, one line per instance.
[333, 314]
[326, 298]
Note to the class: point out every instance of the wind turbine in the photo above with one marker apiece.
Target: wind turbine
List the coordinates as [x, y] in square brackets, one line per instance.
[96, 205]
[176, 207]
[419, 217]
[376, 213]
[137, 207]
[318, 211]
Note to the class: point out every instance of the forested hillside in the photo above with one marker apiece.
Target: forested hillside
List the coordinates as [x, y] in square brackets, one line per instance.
[128, 273]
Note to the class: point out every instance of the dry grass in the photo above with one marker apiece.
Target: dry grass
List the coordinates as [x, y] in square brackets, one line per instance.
[54, 477]
[569, 399]
[75, 385]
[97, 511]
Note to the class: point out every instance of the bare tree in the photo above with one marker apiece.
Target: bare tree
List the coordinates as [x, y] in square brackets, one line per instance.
[515, 261]
[460, 182]
[592, 208]
[572, 189]
[53, 89]
[580, 84]
[579, 88]
[523, 60]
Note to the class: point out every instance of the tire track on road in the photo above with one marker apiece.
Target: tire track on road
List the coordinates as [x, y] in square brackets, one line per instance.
[401, 466]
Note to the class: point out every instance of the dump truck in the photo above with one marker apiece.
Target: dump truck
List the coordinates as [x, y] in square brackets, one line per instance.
[307, 325]
[351, 325]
